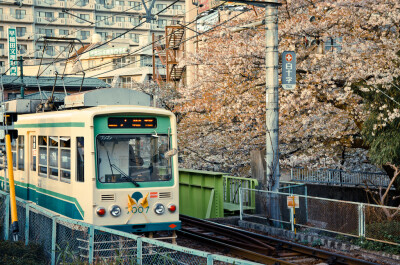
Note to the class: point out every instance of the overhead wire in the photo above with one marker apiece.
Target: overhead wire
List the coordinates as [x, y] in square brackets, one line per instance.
[107, 71]
[143, 47]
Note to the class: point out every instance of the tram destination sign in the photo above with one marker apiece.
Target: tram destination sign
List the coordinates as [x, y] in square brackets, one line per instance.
[12, 51]
[289, 70]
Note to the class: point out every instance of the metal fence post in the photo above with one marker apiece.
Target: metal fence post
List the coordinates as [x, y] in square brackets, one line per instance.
[139, 252]
[292, 218]
[7, 218]
[240, 203]
[27, 224]
[306, 199]
[53, 240]
[91, 244]
[361, 220]
[210, 259]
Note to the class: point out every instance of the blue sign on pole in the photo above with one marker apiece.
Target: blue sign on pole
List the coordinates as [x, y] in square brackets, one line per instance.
[12, 51]
[289, 70]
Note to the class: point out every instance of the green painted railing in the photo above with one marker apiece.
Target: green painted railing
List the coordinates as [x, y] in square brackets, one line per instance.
[231, 193]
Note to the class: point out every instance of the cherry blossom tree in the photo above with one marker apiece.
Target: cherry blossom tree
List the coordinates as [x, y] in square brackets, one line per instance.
[338, 44]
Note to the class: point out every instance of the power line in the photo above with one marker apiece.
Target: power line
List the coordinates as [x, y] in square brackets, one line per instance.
[158, 40]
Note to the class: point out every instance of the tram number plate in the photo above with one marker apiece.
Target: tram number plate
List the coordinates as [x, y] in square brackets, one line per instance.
[140, 209]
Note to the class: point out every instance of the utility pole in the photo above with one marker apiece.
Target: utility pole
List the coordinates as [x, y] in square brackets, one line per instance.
[21, 74]
[272, 95]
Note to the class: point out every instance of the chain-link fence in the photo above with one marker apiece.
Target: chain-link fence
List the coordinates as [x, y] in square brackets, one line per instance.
[67, 241]
[321, 215]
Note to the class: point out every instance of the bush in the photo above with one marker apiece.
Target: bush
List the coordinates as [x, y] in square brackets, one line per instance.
[16, 253]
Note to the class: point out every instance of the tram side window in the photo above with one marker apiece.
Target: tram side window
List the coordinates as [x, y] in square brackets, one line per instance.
[21, 154]
[65, 164]
[14, 152]
[42, 140]
[34, 154]
[80, 144]
[53, 157]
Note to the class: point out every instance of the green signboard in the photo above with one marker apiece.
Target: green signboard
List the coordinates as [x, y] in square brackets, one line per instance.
[12, 51]
[108, 51]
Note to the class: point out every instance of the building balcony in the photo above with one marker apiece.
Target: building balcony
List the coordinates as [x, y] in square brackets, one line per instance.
[81, 4]
[3, 53]
[110, 8]
[27, 36]
[62, 21]
[50, 3]
[46, 54]
[18, 18]
[114, 25]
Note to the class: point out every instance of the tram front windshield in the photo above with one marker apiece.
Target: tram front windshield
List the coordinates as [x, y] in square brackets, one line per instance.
[132, 158]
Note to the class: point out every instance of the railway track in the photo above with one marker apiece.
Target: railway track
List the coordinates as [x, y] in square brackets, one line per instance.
[259, 248]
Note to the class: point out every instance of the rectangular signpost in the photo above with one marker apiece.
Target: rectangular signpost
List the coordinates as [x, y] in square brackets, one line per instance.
[12, 51]
[289, 70]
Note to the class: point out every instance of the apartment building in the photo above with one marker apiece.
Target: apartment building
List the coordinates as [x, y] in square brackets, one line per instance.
[79, 19]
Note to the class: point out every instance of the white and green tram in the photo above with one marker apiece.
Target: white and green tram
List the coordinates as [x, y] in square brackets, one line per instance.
[108, 165]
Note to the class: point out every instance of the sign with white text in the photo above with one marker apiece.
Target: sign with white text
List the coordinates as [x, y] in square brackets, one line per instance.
[12, 51]
[289, 70]
[292, 201]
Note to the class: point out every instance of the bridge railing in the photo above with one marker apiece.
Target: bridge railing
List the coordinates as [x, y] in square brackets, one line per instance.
[67, 241]
[339, 177]
[231, 193]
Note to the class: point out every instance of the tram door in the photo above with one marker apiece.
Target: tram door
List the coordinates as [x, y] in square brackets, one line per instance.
[32, 175]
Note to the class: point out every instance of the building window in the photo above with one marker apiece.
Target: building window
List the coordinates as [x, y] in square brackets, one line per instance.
[80, 159]
[161, 7]
[46, 32]
[83, 18]
[21, 31]
[103, 35]
[146, 61]
[85, 34]
[120, 3]
[64, 32]
[120, 19]
[136, 5]
[134, 37]
[22, 48]
[18, 13]
[177, 7]
[161, 23]
[333, 44]
[62, 15]
[134, 20]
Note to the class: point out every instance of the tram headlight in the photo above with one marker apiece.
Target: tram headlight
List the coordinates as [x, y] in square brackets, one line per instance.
[115, 210]
[101, 211]
[159, 209]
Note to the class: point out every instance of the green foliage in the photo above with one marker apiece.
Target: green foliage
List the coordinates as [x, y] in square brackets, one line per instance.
[316, 243]
[16, 253]
[380, 132]
[385, 231]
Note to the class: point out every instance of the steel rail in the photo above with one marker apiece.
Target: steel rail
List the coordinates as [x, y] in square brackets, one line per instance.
[278, 244]
[251, 255]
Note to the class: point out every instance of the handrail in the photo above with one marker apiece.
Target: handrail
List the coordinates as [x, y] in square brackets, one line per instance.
[339, 177]
[232, 185]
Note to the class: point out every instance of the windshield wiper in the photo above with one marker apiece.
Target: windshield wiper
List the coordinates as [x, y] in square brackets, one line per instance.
[124, 175]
